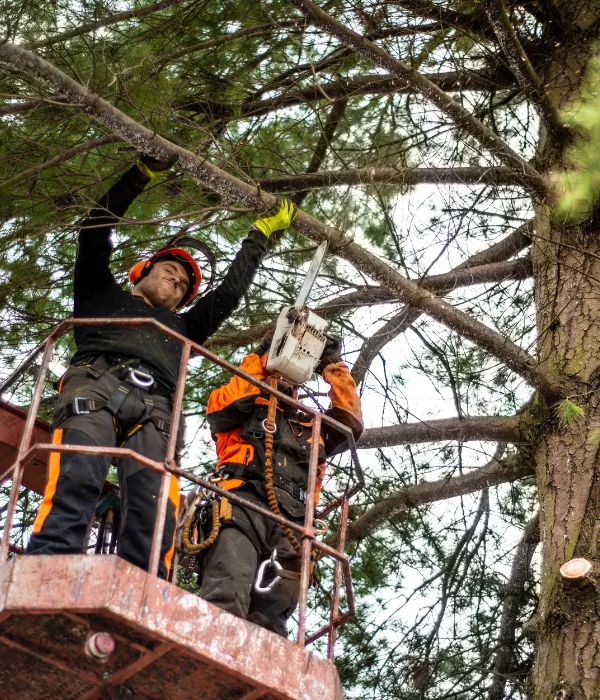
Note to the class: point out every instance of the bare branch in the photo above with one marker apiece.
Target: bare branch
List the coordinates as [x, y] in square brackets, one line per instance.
[493, 473]
[519, 63]
[484, 267]
[513, 244]
[513, 596]
[234, 190]
[391, 176]
[441, 284]
[19, 107]
[492, 428]
[457, 113]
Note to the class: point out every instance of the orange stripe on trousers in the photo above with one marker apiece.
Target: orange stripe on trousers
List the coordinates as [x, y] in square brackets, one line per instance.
[174, 498]
[50, 490]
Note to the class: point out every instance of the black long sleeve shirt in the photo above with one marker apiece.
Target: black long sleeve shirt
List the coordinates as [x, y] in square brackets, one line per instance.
[97, 294]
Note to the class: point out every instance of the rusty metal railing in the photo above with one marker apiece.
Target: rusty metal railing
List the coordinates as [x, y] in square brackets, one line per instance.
[306, 531]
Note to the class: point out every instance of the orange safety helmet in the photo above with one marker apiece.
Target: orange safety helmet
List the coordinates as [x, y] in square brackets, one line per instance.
[142, 268]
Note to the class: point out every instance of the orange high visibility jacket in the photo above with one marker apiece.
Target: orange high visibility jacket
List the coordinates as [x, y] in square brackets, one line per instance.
[235, 413]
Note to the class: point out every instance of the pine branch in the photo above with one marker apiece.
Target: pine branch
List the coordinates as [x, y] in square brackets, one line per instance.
[62, 158]
[463, 119]
[106, 22]
[513, 595]
[370, 296]
[341, 89]
[473, 23]
[335, 116]
[390, 176]
[520, 65]
[440, 284]
[489, 265]
[513, 244]
[489, 428]
[20, 107]
[492, 474]
[233, 190]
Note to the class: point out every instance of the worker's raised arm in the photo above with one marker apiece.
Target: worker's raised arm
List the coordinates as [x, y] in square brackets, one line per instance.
[208, 314]
[92, 270]
[345, 401]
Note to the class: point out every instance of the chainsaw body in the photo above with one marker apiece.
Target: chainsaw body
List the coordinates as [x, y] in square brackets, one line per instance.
[297, 344]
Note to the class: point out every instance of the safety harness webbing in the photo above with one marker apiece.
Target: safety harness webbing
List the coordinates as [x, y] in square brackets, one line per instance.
[270, 428]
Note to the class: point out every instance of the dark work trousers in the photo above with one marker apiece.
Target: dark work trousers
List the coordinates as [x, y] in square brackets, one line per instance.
[228, 569]
[75, 480]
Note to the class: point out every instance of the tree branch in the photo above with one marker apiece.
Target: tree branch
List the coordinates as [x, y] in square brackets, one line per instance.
[489, 428]
[370, 296]
[477, 269]
[473, 23]
[19, 107]
[391, 176]
[441, 284]
[106, 22]
[520, 65]
[457, 113]
[513, 595]
[492, 474]
[335, 116]
[62, 158]
[233, 190]
[352, 87]
[513, 244]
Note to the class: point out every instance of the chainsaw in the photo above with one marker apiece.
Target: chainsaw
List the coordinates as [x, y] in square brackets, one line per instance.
[299, 336]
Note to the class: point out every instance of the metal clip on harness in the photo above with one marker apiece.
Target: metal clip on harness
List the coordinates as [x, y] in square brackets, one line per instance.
[260, 574]
[141, 379]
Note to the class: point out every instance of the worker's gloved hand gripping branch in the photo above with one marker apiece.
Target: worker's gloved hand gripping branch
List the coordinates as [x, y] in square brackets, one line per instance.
[118, 388]
[236, 413]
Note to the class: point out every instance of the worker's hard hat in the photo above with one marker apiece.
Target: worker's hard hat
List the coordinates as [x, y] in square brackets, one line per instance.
[142, 268]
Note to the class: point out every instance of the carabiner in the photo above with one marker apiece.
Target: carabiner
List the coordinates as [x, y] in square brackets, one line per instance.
[143, 380]
[272, 561]
[267, 427]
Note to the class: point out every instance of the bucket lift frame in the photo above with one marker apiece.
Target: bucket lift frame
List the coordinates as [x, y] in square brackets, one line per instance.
[306, 532]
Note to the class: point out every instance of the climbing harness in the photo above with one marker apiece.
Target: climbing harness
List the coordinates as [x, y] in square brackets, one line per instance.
[270, 426]
[132, 375]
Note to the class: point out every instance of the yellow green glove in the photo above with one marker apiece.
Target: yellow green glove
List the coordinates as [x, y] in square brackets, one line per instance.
[279, 221]
[151, 166]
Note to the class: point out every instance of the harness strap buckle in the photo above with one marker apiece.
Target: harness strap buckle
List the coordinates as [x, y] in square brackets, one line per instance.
[81, 406]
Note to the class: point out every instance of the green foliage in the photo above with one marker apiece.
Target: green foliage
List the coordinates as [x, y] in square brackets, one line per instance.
[251, 87]
[569, 412]
[579, 186]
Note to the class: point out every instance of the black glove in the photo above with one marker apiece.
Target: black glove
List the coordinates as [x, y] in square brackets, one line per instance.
[265, 342]
[332, 353]
[151, 166]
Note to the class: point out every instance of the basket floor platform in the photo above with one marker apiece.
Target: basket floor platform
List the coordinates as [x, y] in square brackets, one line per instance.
[169, 644]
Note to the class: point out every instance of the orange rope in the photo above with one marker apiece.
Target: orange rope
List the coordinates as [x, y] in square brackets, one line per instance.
[270, 424]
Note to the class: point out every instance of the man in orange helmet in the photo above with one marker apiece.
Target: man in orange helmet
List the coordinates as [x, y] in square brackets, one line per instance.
[118, 388]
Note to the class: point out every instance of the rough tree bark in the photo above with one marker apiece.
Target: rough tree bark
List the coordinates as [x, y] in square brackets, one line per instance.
[566, 262]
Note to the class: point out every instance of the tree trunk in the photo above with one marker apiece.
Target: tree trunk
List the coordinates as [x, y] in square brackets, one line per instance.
[567, 292]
